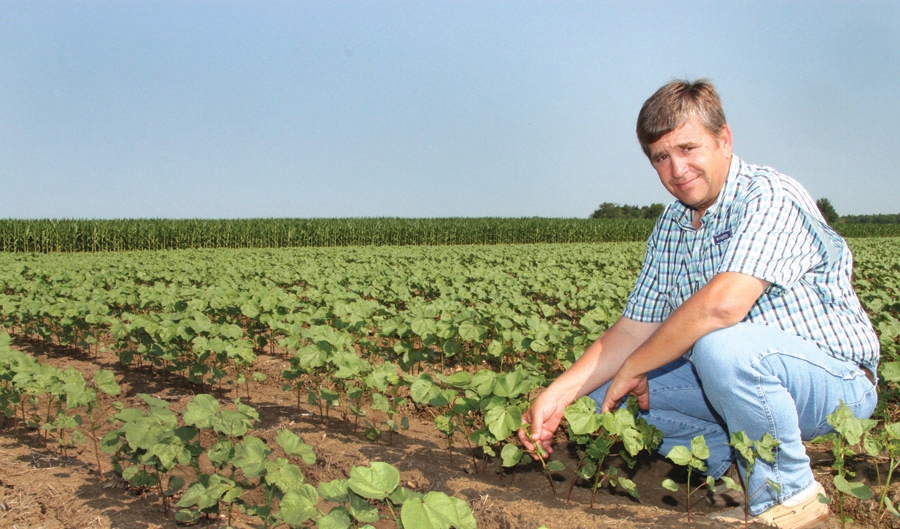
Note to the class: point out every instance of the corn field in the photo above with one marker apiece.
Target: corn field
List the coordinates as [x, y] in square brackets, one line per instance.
[46, 236]
[77, 235]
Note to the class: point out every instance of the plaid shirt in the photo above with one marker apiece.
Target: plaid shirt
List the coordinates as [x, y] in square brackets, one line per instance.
[763, 224]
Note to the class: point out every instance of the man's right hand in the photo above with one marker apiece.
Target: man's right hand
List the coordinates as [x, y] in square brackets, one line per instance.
[543, 418]
[597, 365]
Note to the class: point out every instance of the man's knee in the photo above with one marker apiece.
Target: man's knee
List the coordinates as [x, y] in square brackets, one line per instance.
[713, 346]
[719, 354]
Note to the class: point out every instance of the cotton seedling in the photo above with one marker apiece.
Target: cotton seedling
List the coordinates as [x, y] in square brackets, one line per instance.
[694, 458]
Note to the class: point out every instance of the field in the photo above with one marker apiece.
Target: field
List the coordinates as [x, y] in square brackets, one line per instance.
[419, 357]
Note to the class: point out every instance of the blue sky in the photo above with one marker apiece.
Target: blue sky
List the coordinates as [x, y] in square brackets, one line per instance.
[240, 109]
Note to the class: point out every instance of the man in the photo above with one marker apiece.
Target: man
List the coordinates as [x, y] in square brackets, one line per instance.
[743, 317]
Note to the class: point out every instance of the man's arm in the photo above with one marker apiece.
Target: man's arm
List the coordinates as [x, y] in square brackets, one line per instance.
[594, 368]
[722, 302]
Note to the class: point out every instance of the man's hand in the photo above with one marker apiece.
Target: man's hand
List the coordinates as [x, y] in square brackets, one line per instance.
[597, 365]
[722, 302]
[623, 385]
[544, 416]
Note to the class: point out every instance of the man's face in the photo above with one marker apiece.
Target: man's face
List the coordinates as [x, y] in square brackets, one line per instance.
[692, 163]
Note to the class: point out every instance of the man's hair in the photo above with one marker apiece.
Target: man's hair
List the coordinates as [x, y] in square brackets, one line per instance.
[673, 104]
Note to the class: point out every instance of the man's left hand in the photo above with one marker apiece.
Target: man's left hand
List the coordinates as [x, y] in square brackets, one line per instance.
[623, 385]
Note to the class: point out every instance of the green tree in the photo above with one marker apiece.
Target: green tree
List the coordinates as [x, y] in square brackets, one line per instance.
[609, 210]
[827, 210]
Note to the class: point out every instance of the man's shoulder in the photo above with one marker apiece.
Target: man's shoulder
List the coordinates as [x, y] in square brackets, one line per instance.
[765, 180]
[761, 175]
[766, 185]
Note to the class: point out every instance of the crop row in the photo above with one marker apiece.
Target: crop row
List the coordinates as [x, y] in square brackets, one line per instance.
[74, 235]
[227, 471]
[206, 314]
[470, 332]
[71, 235]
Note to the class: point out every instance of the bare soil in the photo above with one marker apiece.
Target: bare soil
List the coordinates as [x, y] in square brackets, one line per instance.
[40, 487]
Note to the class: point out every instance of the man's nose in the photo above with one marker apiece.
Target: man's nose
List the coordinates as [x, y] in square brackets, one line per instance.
[679, 167]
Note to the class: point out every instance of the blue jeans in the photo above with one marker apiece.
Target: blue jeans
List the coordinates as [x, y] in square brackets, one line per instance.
[756, 379]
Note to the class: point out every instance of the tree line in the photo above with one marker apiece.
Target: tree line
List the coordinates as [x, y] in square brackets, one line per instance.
[609, 210]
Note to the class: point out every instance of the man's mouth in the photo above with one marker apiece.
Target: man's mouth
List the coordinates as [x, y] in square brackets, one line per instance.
[685, 182]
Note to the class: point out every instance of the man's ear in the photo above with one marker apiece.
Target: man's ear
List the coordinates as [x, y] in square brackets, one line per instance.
[725, 139]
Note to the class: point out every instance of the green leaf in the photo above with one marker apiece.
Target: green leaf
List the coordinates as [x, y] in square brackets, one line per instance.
[436, 510]
[380, 403]
[152, 401]
[221, 452]
[201, 411]
[168, 452]
[299, 505]
[335, 490]
[138, 477]
[483, 382]
[668, 484]
[848, 425]
[471, 332]
[338, 518]
[308, 358]
[105, 381]
[744, 446]
[510, 385]
[633, 440]
[250, 456]
[232, 423]
[555, 466]
[630, 487]
[732, 484]
[699, 448]
[250, 310]
[599, 448]
[375, 481]
[680, 455]
[362, 510]
[187, 516]
[588, 470]
[284, 475]
[402, 494]
[203, 496]
[890, 371]
[293, 445]
[424, 391]
[502, 422]
[451, 347]
[582, 416]
[176, 483]
[857, 490]
[765, 447]
[511, 455]
[459, 379]
[142, 434]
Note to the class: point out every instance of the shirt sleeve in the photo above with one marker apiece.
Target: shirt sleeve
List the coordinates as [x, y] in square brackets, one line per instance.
[775, 239]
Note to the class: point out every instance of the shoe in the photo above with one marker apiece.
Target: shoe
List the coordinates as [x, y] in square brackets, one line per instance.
[808, 514]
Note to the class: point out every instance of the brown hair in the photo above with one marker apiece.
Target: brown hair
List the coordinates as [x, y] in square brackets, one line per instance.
[673, 104]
